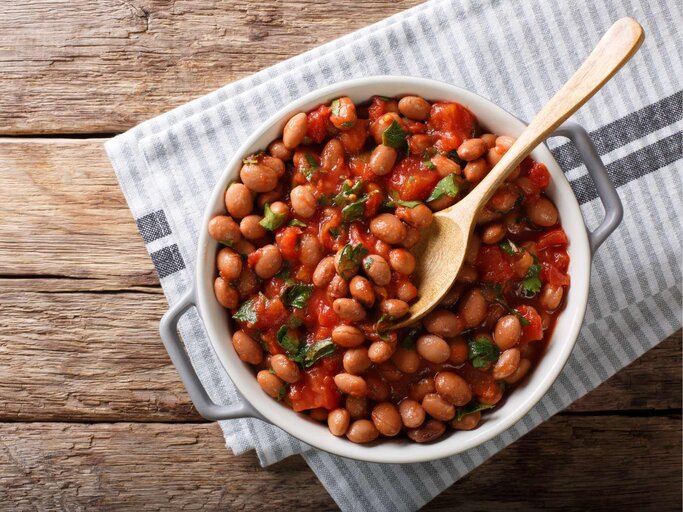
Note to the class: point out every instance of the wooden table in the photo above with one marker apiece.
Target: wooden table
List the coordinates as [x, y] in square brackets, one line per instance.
[92, 414]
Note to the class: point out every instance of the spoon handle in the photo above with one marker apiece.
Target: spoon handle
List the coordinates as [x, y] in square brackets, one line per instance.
[615, 48]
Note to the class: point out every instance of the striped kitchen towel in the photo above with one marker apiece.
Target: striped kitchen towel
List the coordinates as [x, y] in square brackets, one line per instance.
[517, 54]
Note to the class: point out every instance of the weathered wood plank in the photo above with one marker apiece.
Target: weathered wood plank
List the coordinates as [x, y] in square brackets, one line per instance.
[103, 67]
[570, 462]
[85, 356]
[97, 356]
[64, 214]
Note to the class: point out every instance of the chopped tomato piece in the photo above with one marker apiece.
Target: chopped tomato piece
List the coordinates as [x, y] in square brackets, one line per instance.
[482, 383]
[377, 108]
[317, 123]
[315, 389]
[287, 240]
[270, 313]
[412, 180]
[556, 256]
[453, 123]
[538, 175]
[353, 139]
[555, 236]
[533, 331]
[493, 264]
[551, 274]
[343, 113]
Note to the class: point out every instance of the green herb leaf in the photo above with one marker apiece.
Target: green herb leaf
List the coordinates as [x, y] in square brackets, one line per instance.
[271, 220]
[429, 165]
[349, 260]
[453, 155]
[298, 294]
[344, 197]
[246, 312]
[334, 233]
[408, 342]
[283, 392]
[498, 297]
[509, 247]
[250, 160]
[395, 137]
[482, 351]
[532, 282]
[288, 341]
[446, 187]
[383, 324]
[354, 210]
[312, 166]
[284, 271]
[294, 322]
[395, 200]
[297, 223]
[317, 351]
[471, 408]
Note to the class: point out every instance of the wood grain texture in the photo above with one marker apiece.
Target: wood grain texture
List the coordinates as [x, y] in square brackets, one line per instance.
[64, 215]
[87, 67]
[123, 466]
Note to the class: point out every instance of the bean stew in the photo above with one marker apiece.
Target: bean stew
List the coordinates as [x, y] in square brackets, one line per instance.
[315, 265]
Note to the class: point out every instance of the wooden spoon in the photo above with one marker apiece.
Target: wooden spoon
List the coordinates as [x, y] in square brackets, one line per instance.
[442, 248]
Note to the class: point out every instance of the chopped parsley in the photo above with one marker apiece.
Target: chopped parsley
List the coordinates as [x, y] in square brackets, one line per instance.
[395, 137]
[429, 165]
[298, 352]
[500, 299]
[481, 351]
[355, 210]
[408, 342]
[350, 259]
[471, 408]
[297, 223]
[531, 284]
[271, 220]
[297, 295]
[509, 247]
[246, 312]
[312, 166]
[287, 340]
[445, 187]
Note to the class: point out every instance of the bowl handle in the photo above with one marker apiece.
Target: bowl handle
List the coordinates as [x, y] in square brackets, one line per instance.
[614, 211]
[200, 398]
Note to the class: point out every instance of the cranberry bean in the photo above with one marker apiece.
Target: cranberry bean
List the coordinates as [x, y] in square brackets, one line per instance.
[251, 229]
[406, 360]
[378, 389]
[522, 264]
[504, 199]
[433, 348]
[386, 418]
[458, 348]
[381, 124]
[377, 269]
[551, 296]
[472, 249]
[507, 332]
[505, 142]
[226, 295]
[274, 163]
[324, 272]
[486, 216]
[239, 200]
[278, 149]
[419, 216]
[453, 388]
[411, 238]
[347, 336]
[284, 368]
[332, 155]
[493, 314]
[412, 413]
[520, 372]
[224, 230]
[406, 291]
[338, 287]
[418, 390]
[437, 407]
[295, 130]
[356, 360]
[382, 159]
[258, 178]
[493, 233]
[280, 208]
[402, 261]
[542, 212]
[414, 107]
[357, 406]
[472, 149]
[247, 283]
[362, 431]
[349, 310]
[318, 414]
[453, 295]
[270, 383]
[269, 262]
[493, 156]
[310, 251]
[476, 170]
[229, 264]
[338, 421]
[380, 351]
[303, 201]
[490, 140]
[389, 372]
[443, 322]
[394, 308]
[351, 384]
[445, 166]
[467, 422]
[472, 308]
[388, 228]
[361, 290]
[429, 431]
[467, 275]
[247, 348]
[507, 363]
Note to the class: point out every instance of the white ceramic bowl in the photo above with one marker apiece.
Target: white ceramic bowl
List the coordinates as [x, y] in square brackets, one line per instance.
[515, 406]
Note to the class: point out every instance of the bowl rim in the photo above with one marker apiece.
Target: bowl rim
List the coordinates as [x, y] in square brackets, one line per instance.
[272, 411]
